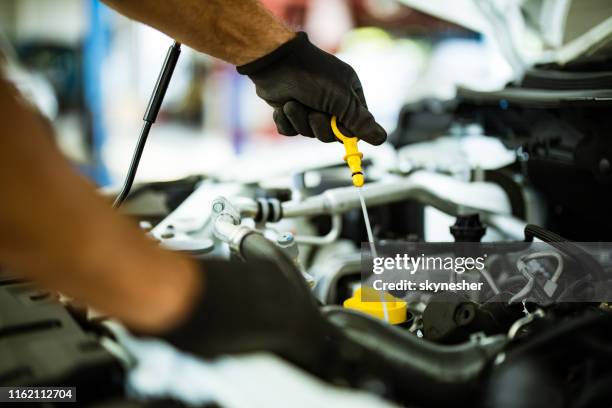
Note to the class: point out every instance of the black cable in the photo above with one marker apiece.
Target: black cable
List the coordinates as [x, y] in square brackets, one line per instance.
[149, 118]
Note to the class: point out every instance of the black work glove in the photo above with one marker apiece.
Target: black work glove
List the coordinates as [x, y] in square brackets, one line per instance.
[305, 86]
[258, 307]
[251, 307]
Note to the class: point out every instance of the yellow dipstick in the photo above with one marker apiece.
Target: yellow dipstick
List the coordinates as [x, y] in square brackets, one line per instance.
[353, 155]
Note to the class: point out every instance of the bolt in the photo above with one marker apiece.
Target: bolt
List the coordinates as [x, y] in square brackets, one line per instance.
[218, 207]
[285, 238]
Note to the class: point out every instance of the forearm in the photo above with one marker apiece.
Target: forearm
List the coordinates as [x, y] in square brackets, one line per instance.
[236, 31]
[58, 232]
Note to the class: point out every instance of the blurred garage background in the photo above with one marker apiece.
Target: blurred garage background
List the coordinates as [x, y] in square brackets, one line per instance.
[92, 70]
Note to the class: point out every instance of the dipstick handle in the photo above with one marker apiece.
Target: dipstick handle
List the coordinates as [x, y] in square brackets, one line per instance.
[353, 155]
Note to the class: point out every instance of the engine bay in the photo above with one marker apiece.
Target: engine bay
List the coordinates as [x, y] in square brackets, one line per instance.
[534, 333]
[465, 262]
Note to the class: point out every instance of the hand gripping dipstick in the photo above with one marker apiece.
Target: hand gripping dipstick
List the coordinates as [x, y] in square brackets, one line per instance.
[353, 155]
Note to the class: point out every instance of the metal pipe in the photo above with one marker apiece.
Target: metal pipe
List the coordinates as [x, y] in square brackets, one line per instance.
[341, 200]
[228, 230]
[246, 206]
[331, 236]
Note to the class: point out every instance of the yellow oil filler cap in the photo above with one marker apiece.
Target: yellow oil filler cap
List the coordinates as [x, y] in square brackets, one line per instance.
[396, 308]
[353, 156]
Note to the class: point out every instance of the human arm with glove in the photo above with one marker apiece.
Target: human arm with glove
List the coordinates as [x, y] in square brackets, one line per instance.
[58, 232]
[304, 84]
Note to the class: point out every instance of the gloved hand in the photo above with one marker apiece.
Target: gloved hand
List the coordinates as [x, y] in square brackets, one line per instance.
[258, 307]
[251, 307]
[305, 86]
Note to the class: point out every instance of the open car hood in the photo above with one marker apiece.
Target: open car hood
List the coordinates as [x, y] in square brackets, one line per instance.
[534, 32]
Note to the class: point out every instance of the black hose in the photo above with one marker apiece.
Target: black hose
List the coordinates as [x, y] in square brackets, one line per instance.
[526, 383]
[597, 394]
[418, 370]
[566, 247]
[572, 327]
[256, 247]
[359, 349]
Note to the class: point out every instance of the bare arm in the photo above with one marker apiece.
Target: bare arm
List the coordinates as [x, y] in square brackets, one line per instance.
[304, 85]
[236, 31]
[58, 232]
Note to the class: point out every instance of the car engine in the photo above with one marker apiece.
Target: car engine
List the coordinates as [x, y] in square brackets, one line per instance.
[522, 174]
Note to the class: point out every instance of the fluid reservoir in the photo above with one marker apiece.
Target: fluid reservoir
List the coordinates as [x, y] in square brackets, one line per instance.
[396, 308]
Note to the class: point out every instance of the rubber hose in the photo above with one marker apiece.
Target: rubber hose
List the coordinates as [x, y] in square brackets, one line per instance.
[567, 247]
[422, 371]
[256, 247]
